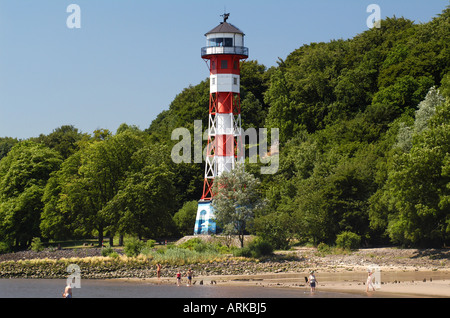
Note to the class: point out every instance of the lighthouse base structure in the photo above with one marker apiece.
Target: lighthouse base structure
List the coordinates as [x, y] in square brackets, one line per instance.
[205, 223]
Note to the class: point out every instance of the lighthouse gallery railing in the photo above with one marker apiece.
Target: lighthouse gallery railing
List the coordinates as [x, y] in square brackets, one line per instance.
[240, 50]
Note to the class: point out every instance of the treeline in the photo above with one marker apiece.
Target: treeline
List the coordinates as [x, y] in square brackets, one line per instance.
[71, 185]
[364, 148]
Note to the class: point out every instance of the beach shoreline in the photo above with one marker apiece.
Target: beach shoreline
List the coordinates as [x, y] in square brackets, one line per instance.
[395, 284]
[403, 272]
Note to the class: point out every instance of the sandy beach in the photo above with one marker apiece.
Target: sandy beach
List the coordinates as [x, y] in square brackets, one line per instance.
[402, 273]
[434, 284]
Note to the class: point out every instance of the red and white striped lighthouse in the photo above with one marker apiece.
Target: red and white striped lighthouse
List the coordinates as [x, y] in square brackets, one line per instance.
[223, 53]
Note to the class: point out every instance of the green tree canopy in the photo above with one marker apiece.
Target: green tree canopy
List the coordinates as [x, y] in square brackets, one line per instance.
[23, 175]
[236, 201]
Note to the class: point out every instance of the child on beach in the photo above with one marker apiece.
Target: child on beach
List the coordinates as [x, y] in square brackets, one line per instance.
[178, 278]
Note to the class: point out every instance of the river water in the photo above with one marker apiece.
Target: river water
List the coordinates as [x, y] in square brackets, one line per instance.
[53, 288]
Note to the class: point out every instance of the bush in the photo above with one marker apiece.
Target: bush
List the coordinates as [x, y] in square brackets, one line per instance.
[150, 243]
[255, 249]
[133, 247]
[242, 252]
[114, 254]
[191, 243]
[4, 248]
[348, 240]
[147, 247]
[223, 249]
[107, 251]
[36, 245]
[323, 248]
[261, 248]
[185, 217]
[196, 244]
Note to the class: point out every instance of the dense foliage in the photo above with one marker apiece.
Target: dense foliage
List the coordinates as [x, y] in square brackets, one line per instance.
[364, 152]
[236, 201]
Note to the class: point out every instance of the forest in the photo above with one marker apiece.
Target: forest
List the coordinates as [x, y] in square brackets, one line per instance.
[364, 127]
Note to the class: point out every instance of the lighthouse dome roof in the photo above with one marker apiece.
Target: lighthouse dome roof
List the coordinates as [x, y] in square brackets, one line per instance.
[225, 27]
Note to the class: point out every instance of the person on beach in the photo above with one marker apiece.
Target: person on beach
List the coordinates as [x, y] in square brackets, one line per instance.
[178, 278]
[189, 277]
[67, 292]
[312, 281]
[369, 281]
[158, 271]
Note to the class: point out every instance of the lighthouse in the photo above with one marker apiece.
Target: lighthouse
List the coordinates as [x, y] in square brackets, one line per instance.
[223, 52]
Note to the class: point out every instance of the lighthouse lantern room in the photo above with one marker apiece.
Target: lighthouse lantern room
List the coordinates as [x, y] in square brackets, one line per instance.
[223, 53]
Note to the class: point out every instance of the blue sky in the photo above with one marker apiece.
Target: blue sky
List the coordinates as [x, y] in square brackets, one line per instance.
[130, 58]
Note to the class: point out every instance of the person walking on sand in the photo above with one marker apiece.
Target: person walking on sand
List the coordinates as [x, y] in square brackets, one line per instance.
[312, 281]
[369, 281]
[189, 277]
[178, 278]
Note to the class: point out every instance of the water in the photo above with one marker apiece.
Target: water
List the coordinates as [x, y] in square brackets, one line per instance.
[116, 297]
[53, 288]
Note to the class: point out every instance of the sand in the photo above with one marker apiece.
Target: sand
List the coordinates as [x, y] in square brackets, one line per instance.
[402, 272]
[435, 284]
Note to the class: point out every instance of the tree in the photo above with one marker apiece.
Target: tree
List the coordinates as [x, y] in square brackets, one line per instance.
[189, 105]
[236, 200]
[6, 144]
[23, 176]
[445, 86]
[276, 228]
[184, 219]
[283, 111]
[403, 95]
[63, 139]
[88, 180]
[145, 203]
[418, 186]
[425, 111]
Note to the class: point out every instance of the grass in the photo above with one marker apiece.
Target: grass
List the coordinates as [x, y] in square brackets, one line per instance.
[73, 244]
[323, 250]
[190, 252]
[193, 251]
[181, 256]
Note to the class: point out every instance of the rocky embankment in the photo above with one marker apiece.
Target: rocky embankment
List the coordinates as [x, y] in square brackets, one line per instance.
[54, 263]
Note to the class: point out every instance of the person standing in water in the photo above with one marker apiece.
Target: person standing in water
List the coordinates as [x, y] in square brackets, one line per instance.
[369, 282]
[67, 292]
[312, 281]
